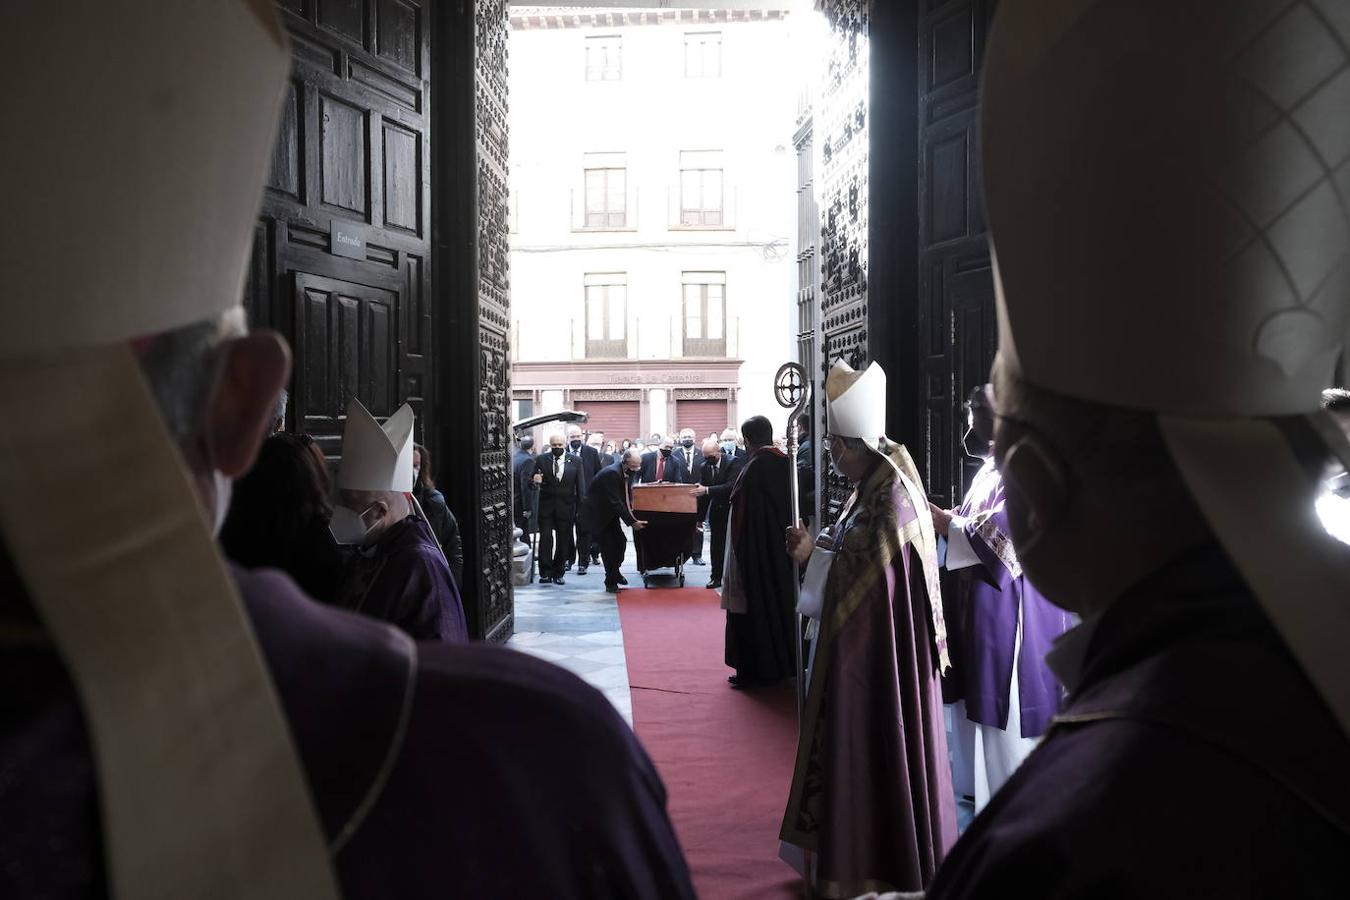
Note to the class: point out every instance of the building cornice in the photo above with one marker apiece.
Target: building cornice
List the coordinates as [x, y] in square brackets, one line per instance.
[627, 373]
[531, 20]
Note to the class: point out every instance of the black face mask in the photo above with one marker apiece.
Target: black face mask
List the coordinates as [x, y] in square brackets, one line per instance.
[975, 446]
[576, 445]
[559, 451]
[710, 460]
[687, 442]
[665, 451]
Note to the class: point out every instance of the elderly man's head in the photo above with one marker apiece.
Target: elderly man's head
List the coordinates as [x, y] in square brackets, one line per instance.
[712, 450]
[687, 437]
[1095, 501]
[556, 444]
[574, 437]
[632, 460]
[216, 385]
[667, 444]
[851, 457]
[378, 511]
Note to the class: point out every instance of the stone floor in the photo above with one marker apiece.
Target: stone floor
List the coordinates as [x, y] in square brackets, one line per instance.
[576, 626]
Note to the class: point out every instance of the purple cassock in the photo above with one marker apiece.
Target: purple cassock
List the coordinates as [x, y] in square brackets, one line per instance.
[1193, 759]
[992, 594]
[404, 579]
[436, 771]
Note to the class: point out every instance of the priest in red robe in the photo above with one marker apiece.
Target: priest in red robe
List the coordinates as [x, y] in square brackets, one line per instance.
[871, 803]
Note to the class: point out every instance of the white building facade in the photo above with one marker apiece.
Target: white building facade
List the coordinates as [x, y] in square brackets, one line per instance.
[652, 216]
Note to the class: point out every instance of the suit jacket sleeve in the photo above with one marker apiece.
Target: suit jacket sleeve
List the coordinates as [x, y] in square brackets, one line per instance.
[615, 500]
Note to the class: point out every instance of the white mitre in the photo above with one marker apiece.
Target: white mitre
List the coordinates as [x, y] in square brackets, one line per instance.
[377, 457]
[141, 133]
[1170, 235]
[856, 404]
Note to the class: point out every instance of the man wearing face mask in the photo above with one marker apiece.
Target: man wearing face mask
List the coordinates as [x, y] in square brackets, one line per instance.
[662, 464]
[731, 444]
[1006, 627]
[398, 574]
[1161, 444]
[609, 504]
[557, 475]
[871, 791]
[691, 459]
[590, 465]
[717, 477]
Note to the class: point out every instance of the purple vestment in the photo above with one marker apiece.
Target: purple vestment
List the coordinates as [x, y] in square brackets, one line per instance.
[991, 595]
[871, 791]
[1193, 760]
[405, 579]
[436, 771]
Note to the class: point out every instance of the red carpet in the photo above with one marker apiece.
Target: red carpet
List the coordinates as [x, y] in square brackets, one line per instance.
[725, 755]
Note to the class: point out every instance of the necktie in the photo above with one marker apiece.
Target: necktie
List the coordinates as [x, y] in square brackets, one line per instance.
[660, 467]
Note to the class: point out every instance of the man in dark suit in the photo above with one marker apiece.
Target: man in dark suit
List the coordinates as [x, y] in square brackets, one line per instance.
[717, 476]
[590, 465]
[608, 504]
[522, 468]
[691, 458]
[662, 465]
[557, 474]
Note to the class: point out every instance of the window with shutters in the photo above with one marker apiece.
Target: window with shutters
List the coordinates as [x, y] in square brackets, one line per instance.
[604, 58]
[703, 54]
[705, 314]
[606, 316]
[606, 205]
[701, 188]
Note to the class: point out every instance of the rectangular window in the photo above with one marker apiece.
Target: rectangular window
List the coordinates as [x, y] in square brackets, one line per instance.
[703, 54]
[701, 188]
[606, 177]
[604, 58]
[606, 315]
[705, 314]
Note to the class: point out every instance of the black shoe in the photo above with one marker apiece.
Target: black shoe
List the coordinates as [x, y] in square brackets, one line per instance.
[595, 560]
[567, 568]
[581, 570]
[714, 585]
[544, 579]
[623, 580]
[559, 581]
[612, 588]
[698, 561]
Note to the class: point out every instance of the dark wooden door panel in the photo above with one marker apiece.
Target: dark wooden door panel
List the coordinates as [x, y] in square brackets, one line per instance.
[956, 335]
[352, 149]
[345, 347]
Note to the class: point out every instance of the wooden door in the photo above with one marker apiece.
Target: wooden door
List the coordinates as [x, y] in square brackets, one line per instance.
[345, 344]
[473, 291]
[342, 248]
[956, 336]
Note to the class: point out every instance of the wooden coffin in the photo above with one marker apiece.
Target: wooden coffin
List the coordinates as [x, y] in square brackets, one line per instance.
[671, 498]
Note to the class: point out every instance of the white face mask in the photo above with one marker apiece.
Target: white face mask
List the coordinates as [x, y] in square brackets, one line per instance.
[348, 526]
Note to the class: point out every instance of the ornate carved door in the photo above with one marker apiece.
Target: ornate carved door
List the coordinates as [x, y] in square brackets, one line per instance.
[905, 268]
[842, 134]
[473, 298]
[341, 248]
